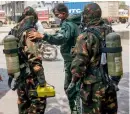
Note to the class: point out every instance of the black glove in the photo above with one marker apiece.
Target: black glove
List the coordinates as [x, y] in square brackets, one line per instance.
[115, 79]
[114, 83]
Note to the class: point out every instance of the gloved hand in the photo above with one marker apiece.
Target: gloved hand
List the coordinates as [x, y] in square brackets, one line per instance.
[71, 90]
[115, 81]
[113, 85]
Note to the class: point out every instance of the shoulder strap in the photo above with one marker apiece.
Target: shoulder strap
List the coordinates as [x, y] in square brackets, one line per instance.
[103, 48]
[96, 32]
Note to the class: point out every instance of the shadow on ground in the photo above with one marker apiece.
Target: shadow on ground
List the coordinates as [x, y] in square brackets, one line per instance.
[4, 84]
[53, 106]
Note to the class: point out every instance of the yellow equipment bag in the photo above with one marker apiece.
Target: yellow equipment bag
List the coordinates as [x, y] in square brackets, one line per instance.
[46, 91]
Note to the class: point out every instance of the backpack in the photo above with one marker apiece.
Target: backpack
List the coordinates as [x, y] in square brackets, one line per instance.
[18, 33]
[108, 51]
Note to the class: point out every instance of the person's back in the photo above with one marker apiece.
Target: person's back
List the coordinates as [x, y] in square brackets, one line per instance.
[86, 64]
[31, 69]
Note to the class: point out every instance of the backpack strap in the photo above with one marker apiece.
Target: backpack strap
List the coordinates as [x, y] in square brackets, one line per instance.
[96, 32]
[103, 48]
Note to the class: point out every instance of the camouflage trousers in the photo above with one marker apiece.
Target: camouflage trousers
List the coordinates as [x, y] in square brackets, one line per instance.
[98, 100]
[73, 101]
[109, 101]
[91, 95]
[28, 104]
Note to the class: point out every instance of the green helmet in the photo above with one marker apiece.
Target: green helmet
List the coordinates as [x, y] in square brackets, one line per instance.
[92, 12]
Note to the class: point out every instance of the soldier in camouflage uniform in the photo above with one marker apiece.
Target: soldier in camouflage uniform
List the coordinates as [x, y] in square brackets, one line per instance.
[32, 72]
[65, 37]
[86, 67]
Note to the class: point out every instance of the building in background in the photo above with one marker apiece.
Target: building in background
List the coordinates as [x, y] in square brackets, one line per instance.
[110, 10]
[14, 9]
[41, 4]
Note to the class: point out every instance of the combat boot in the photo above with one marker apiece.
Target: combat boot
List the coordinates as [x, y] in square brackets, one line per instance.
[74, 110]
[75, 106]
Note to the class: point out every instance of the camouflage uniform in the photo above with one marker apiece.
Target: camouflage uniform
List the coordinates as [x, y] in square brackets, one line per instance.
[96, 98]
[32, 72]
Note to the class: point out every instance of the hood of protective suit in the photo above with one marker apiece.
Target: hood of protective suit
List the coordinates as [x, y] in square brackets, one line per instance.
[75, 18]
[28, 11]
[92, 14]
[27, 23]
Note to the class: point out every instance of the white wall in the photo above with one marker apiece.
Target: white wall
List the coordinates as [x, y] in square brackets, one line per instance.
[40, 4]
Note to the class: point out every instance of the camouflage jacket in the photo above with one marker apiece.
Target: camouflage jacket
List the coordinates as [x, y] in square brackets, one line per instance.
[29, 50]
[87, 56]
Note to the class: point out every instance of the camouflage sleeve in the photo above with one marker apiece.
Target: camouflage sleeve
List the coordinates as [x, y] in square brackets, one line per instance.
[35, 61]
[86, 50]
[61, 36]
[31, 50]
[79, 63]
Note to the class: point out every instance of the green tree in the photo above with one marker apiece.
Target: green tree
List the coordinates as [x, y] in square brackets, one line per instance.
[122, 5]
